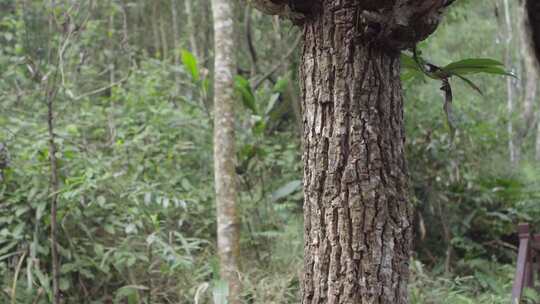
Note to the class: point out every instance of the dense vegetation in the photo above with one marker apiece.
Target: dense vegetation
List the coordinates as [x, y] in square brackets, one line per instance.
[132, 117]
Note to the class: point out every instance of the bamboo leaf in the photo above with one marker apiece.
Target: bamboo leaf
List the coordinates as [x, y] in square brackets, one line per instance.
[473, 62]
[470, 83]
[190, 63]
[479, 70]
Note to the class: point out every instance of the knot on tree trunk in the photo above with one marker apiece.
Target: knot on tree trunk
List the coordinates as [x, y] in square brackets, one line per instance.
[295, 10]
[394, 24]
[398, 24]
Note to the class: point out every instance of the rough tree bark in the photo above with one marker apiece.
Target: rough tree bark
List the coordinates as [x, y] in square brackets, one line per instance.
[530, 79]
[530, 69]
[224, 147]
[357, 214]
[532, 8]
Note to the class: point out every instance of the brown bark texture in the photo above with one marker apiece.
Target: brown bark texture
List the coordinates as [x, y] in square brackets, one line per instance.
[532, 8]
[533, 11]
[357, 215]
[530, 80]
[228, 233]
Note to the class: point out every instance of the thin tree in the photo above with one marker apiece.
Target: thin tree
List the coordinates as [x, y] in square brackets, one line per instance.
[357, 213]
[191, 28]
[224, 147]
[50, 97]
[510, 92]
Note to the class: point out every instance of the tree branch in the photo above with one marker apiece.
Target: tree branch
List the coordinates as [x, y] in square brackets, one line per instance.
[281, 62]
[277, 7]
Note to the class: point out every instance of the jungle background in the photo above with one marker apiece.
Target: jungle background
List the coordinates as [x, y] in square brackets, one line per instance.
[131, 82]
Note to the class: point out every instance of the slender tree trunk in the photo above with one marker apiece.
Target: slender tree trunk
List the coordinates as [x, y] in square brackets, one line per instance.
[54, 187]
[50, 96]
[509, 37]
[163, 34]
[224, 147]
[54, 200]
[249, 40]
[176, 42]
[191, 28]
[176, 32]
[112, 63]
[155, 30]
[357, 215]
[537, 145]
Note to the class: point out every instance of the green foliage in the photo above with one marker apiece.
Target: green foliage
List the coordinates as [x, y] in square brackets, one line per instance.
[136, 205]
[418, 66]
[243, 87]
[491, 284]
[190, 63]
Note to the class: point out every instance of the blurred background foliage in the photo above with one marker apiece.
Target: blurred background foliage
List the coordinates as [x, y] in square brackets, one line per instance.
[134, 129]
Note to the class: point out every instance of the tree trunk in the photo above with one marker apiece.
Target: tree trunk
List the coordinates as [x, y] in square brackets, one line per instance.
[163, 34]
[155, 30]
[357, 216]
[176, 43]
[532, 8]
[224, 147]
[176, 35]
[191, 28]
[530, 75]
[537, 145]
[509, 37]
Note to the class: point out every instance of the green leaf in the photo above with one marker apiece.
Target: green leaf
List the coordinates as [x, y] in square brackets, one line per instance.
[531, 295]
[473, 62]
[477, 66]
[128, 291]
[243, 86]
[40, 209]
[272, 103]
[408, 62]
[286, 190]
[470, 83]
[281, 84]
[479, 70]
[109, 228]
[186, 184]
[65, 284]
[20, 211]
[220, 292]
[190, 63]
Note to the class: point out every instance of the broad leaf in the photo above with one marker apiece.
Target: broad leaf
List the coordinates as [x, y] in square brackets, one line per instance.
[243, 86]
[408, 62]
